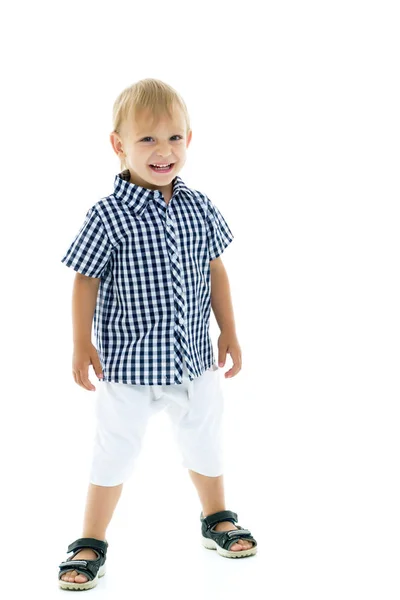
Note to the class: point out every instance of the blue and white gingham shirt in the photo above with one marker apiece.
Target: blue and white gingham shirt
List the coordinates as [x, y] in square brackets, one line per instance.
[153, 260]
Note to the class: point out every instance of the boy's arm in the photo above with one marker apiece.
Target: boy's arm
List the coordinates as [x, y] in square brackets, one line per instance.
[84, 296]
[221, 301]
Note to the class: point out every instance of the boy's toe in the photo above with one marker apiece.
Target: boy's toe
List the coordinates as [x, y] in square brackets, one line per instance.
[74, 577]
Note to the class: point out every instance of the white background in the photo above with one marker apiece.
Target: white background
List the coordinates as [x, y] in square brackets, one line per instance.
[295, 114]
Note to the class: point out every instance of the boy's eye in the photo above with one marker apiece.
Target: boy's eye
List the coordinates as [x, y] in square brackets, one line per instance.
[150, 138]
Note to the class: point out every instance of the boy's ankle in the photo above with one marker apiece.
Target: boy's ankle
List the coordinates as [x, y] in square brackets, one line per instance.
[96, 536]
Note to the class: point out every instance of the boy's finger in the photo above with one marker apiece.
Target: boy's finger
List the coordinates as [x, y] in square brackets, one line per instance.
[85, 381]
[97, 368]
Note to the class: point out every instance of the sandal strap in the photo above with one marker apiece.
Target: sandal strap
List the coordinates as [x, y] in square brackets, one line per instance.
[226, 539]
[222, 515]
[88, 568]
[92, 543]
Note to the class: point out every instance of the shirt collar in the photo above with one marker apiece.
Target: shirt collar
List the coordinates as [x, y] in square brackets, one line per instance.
[136, 196]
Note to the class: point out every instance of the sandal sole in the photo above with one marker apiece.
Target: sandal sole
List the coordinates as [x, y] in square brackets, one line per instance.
[211, 545]
[87, 585]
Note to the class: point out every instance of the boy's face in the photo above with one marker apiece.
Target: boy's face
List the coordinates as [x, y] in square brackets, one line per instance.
[144, 143]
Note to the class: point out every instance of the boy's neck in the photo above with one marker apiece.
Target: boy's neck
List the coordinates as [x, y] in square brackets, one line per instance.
[165, 190]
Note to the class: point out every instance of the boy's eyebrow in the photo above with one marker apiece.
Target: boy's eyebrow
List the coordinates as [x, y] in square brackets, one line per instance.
[148, 131]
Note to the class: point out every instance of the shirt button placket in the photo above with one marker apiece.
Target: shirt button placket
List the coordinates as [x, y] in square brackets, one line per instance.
[180, 342]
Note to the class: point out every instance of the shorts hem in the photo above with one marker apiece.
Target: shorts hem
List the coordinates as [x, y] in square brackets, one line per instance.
[206, 472]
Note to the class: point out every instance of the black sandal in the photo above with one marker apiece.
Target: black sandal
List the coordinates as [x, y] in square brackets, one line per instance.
[221, 541]
[92, 569]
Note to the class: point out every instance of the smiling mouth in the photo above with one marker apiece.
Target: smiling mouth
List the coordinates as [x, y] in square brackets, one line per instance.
[163, 169]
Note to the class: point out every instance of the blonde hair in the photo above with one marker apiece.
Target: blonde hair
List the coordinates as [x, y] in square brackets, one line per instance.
[146, 94]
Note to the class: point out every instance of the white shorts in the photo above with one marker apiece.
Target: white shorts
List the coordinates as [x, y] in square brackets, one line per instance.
[123, 410]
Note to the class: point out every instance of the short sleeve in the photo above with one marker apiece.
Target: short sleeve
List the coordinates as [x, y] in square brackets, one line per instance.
[218, 232]
[90, 251]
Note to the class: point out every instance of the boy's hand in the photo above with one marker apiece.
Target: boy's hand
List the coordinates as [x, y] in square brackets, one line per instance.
[228, 342]
[85, 354]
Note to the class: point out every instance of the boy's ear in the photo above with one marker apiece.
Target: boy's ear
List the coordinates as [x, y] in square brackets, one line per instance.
[189, 137]
[115, 142]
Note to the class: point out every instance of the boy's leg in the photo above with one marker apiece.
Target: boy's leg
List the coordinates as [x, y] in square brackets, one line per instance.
[100, 505]
[212, 498]
[198, 434]
[210, 491]
[122, 412]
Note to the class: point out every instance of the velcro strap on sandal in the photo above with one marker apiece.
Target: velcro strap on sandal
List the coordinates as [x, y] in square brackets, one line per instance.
[226, 539]
[73, 563]
[87, 568]
[218, 517]
[92, 543]
[237, 533]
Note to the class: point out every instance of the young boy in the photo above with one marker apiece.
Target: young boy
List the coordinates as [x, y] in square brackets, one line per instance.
[148, 266]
